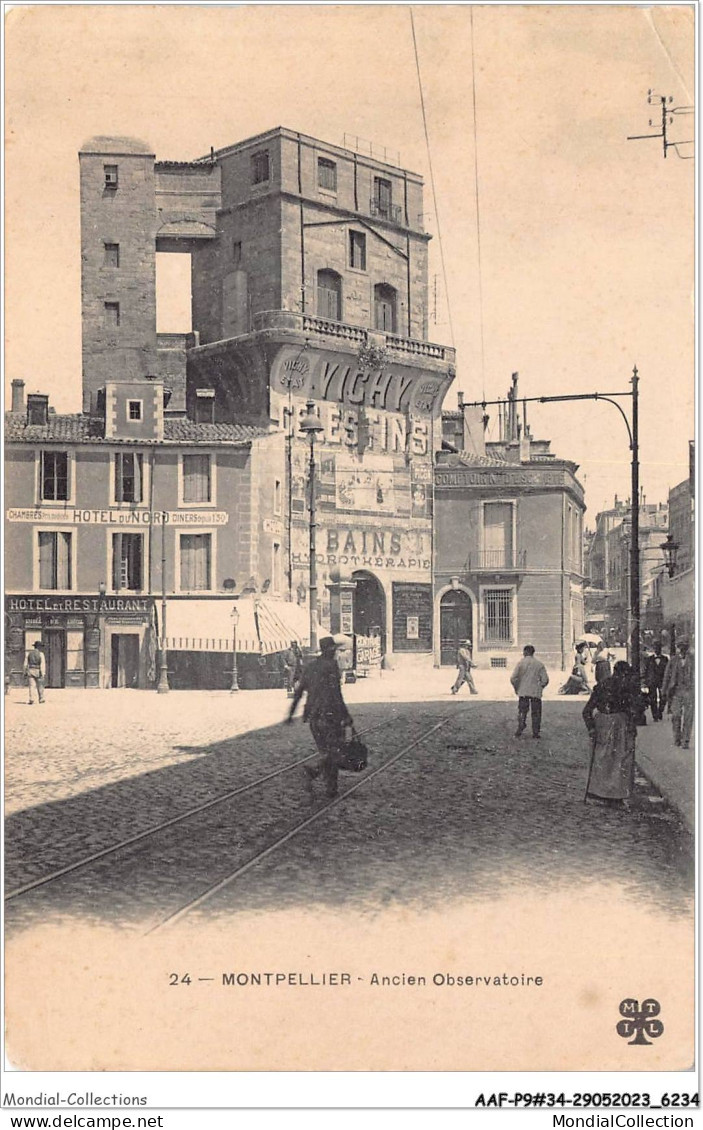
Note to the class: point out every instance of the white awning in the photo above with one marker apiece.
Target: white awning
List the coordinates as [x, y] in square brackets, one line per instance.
[263, 626]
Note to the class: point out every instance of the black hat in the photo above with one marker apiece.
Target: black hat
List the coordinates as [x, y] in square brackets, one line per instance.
[327, 643]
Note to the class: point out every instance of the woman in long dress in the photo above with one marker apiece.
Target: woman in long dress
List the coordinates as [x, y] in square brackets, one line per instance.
[611, 719]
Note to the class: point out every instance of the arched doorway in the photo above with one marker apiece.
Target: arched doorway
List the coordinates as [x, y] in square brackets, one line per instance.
[455, 624]
[369, 607]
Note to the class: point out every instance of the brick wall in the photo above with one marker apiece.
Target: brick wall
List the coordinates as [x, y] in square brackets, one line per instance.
[126, 216]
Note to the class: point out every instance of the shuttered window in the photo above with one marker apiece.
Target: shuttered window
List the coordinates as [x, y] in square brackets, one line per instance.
[384, 307]
[329, 295]
[326, 174]
[55, 566]
[497, 535]
[196, 551]
[197, 478]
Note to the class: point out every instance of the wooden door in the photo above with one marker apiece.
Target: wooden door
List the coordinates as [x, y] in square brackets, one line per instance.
[55, 641]
[454, 625]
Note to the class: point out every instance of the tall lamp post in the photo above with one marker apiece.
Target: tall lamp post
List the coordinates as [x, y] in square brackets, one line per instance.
[235, 621]
[633, 435]
[162, 686]
[311, 426]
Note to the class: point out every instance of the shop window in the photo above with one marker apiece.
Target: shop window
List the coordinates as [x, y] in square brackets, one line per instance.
[54, 476]
[326, 174]
[329, 295]
[260, 170]
[196, 562]
[357, 250]
[55, 560]
[127, 562]
[112, 255]
[385, 303]
[498, 616]
[129, 476]
[197, 479]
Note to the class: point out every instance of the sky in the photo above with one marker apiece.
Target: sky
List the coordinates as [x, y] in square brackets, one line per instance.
[586, 263]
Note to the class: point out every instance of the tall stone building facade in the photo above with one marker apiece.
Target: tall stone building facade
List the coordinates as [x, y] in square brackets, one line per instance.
[309, 282]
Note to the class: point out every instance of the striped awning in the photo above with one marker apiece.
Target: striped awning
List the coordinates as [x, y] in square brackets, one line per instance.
[263, 626]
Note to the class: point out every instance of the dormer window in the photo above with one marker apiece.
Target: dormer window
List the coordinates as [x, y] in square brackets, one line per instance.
[111, 177]
[134, 410]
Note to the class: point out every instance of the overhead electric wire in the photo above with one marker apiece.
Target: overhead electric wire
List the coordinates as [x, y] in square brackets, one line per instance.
[478, 210]
[432, 180]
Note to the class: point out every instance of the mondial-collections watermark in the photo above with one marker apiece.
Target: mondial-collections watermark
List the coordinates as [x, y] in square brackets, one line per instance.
[87, 1098]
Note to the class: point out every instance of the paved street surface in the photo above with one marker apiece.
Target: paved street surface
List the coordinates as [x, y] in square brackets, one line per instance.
[466, 809]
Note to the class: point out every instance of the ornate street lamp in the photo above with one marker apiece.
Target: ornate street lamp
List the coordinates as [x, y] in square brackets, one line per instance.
[670, 549]
[311, 426]
[235, 621]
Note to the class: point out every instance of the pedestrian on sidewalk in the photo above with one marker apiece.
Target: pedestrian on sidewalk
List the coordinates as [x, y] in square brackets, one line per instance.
[578, 679]
[464, 661]
[601, 662]
[611, 719]
[326, 712]
[35, 670]
[654, 671]
[293, 661]
[529, 680]
[679, 691]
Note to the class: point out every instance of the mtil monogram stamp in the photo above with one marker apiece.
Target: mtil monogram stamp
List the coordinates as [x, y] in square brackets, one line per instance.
[640, 1022]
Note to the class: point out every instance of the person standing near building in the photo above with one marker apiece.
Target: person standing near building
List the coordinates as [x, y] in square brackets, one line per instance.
[529, 680]
[611, 719]
[35, 670]
[654, 672]
[326, 712]
[679, 690]
[601, 662]
[464, 661]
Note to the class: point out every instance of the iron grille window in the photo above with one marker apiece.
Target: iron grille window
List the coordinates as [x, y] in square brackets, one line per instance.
[357, 250]
[129, 472]
[55, 565]
[498, 615]
[54, 476]
[326, 174]
[260, 167]
[127, 562]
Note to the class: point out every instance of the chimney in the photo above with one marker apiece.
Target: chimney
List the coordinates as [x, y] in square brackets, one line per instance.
[37, 409]
[17, 396]
[460, 400]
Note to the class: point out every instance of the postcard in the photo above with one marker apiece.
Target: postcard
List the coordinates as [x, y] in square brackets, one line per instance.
[349, 539]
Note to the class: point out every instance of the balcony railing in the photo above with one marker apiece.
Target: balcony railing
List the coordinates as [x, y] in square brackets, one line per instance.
[497, 561]
[392, 212]
[342, 331]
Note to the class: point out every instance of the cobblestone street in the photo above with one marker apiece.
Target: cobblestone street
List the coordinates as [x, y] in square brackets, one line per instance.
[467, 810]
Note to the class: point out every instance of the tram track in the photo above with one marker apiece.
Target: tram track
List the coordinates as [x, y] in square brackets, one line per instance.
[232, 877]
[145, 834]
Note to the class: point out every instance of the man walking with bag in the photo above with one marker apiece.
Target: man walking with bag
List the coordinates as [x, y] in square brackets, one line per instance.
[326, 712]
[529, 680]
[35, 670]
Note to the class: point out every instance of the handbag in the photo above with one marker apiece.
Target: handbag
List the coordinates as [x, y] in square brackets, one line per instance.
[354, 755]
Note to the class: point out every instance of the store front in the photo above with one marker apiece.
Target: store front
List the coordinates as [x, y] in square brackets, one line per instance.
[89, 640]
